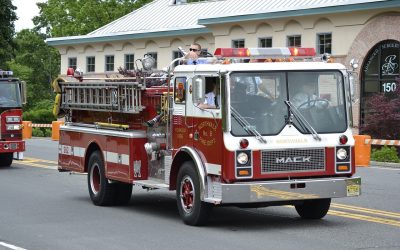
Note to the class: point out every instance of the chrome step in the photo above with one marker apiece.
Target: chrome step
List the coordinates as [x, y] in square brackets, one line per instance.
[154, 184]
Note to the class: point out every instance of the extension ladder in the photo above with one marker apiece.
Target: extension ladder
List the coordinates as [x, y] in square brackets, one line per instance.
[122, 97]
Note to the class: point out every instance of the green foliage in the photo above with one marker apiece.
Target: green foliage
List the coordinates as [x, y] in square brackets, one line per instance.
[37, 132]
[7, 31]
[41, 132]
[69, 18]
[40, 115]
[385, 154]
[36, 63]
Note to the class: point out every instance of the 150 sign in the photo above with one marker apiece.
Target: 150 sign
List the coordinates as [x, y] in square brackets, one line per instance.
[389, 87]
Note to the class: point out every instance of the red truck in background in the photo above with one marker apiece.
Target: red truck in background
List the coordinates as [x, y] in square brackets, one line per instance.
[12, 96]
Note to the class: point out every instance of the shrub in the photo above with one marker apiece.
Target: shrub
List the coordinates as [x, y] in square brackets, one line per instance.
[39, 116]
[385, 154]
[383, 119]
[47, 132]
[37, 132]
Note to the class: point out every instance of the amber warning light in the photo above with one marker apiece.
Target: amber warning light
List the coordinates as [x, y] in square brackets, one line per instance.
[259, 53]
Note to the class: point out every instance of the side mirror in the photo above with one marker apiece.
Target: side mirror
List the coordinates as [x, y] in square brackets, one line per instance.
[199, 89]
[353, 78]
[23, 92]
[354, 64]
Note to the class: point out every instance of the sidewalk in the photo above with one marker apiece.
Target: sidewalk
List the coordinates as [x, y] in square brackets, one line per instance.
[384, 164]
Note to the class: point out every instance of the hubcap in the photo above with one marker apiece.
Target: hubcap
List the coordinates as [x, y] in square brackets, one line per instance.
[187, 193]
[95, 179]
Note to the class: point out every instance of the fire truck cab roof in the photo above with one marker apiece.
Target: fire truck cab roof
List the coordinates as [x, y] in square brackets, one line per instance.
[281, 66]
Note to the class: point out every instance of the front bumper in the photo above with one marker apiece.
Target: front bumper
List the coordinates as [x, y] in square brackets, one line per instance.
[12, 146]
[289, 190]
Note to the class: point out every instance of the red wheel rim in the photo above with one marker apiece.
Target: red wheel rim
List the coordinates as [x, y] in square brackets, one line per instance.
[187, 194]
[95, 179]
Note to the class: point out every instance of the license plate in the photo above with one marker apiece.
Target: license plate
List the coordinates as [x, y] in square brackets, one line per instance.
[353, 190]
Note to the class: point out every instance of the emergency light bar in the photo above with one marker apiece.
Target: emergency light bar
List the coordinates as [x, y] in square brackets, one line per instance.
[6, 73]
[283, 52]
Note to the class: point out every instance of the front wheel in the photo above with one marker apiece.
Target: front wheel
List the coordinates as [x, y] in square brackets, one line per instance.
[6, 159]
[313, 209]
[192, 210]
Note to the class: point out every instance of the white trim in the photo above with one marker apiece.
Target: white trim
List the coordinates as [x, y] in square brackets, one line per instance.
[112, 157]
[78, 151]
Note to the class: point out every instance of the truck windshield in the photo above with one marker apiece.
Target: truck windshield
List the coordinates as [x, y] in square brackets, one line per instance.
[9, 94]
[259, 97]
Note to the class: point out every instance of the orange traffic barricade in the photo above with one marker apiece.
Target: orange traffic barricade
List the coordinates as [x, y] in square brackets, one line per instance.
[26, 130]
[362, 150]
[55, 130]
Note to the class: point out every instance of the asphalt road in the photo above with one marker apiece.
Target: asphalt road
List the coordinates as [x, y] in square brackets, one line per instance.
[41, 208]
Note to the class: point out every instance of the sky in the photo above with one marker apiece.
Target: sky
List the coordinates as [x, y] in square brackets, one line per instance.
[26, 10]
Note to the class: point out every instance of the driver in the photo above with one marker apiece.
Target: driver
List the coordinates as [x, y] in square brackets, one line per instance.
[306, 98]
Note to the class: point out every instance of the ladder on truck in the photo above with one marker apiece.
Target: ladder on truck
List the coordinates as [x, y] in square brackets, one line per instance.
[122, 97]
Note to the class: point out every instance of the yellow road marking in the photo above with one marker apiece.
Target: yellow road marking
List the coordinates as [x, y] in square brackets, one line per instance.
[366, 210]
[365, 218]
[35, 164]
[29, 159]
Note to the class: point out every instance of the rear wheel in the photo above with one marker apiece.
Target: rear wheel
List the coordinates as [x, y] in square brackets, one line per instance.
[313, 209]
[100, 190]
[192, 210]
[6, 159]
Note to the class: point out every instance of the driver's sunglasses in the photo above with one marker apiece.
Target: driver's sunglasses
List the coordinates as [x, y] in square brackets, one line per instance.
[194, 50]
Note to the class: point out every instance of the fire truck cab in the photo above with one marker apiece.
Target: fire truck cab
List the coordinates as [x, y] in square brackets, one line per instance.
[218, 133]
[12, 96]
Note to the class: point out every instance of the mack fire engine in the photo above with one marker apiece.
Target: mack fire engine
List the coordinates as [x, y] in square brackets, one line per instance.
[260, 145]
[12, 96]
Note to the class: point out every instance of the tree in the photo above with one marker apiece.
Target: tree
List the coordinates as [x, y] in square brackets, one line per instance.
[7, 31]
[36, 63]
[70, 17]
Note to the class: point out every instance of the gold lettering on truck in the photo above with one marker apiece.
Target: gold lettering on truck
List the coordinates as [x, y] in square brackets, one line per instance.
[207, 132]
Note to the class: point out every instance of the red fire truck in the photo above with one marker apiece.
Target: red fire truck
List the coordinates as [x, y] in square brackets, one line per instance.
[276, 131]
[12, 96]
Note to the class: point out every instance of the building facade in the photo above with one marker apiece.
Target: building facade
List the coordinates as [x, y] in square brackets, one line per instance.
[365, 30]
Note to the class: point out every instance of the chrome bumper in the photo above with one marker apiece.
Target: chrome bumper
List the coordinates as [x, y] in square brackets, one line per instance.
[290, 190]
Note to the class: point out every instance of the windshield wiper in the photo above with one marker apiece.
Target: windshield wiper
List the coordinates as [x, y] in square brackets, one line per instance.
[302, 120]
[247, 126]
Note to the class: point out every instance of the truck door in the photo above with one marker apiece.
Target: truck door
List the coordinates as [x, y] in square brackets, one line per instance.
[206, 117]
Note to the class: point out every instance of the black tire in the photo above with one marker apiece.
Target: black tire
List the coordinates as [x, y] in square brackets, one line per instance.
[313, 209]
[100, 190]
[192, 210]
[6, 159]
[123, 193]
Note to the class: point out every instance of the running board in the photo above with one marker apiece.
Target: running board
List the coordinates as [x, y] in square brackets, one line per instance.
[152, 184]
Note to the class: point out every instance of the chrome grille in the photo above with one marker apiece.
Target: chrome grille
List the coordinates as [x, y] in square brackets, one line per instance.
[293, 160]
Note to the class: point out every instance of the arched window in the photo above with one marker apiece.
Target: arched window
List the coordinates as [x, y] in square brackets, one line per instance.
[380, 69]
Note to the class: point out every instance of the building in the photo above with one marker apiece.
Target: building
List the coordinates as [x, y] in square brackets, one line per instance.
[366, 30]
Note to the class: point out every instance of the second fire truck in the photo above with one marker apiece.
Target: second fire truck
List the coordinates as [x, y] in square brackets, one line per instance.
[12, 96]
[260, 145]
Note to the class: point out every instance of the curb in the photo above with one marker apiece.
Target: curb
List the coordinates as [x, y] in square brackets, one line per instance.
[385, 164]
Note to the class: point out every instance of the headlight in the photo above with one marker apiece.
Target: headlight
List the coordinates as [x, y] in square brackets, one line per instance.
[10, 119]
[14, 127]
[242, 158]
[341, 154]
